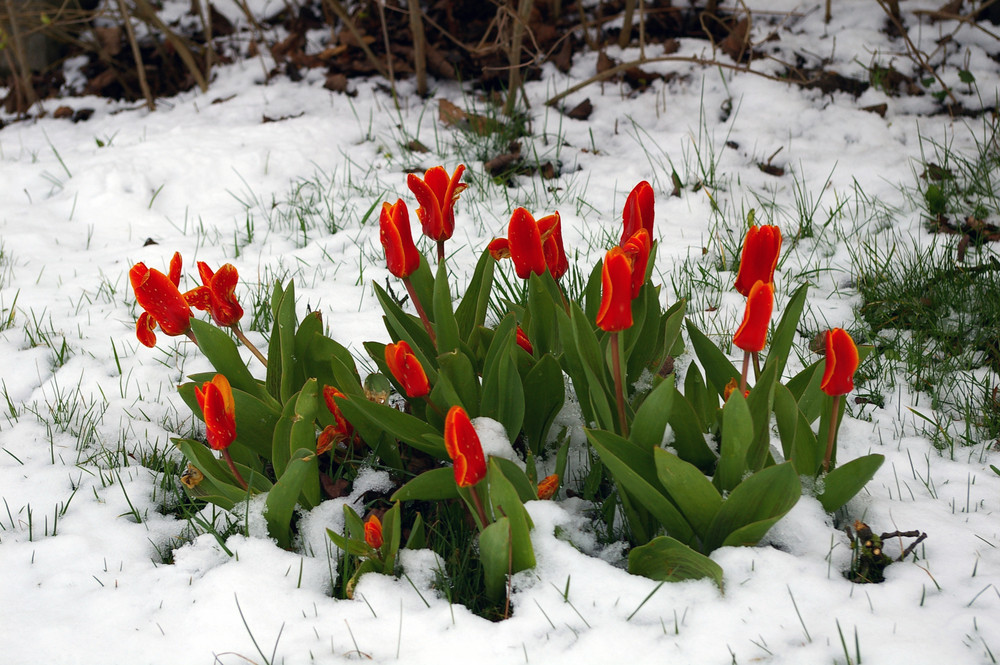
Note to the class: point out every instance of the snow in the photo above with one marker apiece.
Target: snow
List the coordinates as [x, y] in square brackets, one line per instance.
[204, 175]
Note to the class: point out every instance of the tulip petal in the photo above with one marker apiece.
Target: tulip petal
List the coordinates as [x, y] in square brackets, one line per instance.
[615, 312]
[752, 333]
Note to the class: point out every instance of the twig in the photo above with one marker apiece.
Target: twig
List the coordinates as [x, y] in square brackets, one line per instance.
[140, 68]
[145, 12]
[342, 14]
[25, 88]
[891, 8]
[380, 4]
[419, 46]
[625, 36]
[514, 55]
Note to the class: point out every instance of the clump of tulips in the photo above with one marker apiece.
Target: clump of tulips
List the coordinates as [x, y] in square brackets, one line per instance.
[312, 422]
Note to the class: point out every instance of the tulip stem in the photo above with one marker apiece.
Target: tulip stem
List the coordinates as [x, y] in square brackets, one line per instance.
[831, 437]
[247, 343]
[434, 406]
[616, 361]
[746, 368]
[232, 467]
[483, 522]
[440, 244]
[756, 365]
[420, 308]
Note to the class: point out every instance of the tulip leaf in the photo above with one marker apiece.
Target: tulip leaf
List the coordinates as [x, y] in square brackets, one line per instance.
[218, 485]
[418, 534]
[804, 386]
[824, 424]
[433, 485]
[302, 436]
[670, 560]
[545, 392]
[798, 442]
[592, 362]
[280, 450]
[651, 419]
[349, 545]
[592, 293]
[718, 369]
[754, 506]
[422, 280]
[281, 358]
[392, 535]
[633, 468]
[495, 555]
[672, 320]
[690, 490]
[402, 426]
[784, 332]
[283, 497]
[457, 369]
[310, 328]
[221, 351]
[737, 433]
[841, 484]
[446, 326]
[542, 328]
[403, 326]
[503, 394]
[471, 311]
[642, 340]
[704, 401]
[760, 402]
[505, 502]
[689, 434]
[525, 489]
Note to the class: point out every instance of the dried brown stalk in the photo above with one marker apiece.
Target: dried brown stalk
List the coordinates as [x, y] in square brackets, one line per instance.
[419, 47]
[514, 55]
[139, 67]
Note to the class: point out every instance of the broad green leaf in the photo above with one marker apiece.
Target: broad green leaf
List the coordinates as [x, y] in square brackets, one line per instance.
[282, 362]
[495, 555]
[280, 448]
[545, 394]
[403, 326]
[651, 419]
[633, 468]
[418, 535]
[841, 484]
[392, 535]
[804, 386]
[281, 500]
[349, 545]
[718, 369]
[737, 433]
[221, 351]
[518, 479]
[503, 394]
[798, 442]
[760, 402]
[785, 331]
[422, 280]
[598, 382]
[690, 490]
[445, 324]
[689, 434]
[302, 436]
[471, 311]
[397, 424]
[541, 326]
[592, 293]
[461, 375]
[672, 320]
[433, 485]
[219, 481]
[754, 506]
[697, 393]
[310, 328]
[670, 560]
[504, 501]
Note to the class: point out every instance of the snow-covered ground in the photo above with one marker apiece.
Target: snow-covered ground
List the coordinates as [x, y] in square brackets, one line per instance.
[82, 536]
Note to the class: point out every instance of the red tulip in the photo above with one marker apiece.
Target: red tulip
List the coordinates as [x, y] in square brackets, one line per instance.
[217, 295]
[550, 232]
[342, 426]
[215, 398]
[437, 193]
[638, 212]
[163, 303]
[752, 334]
[464, 448]
[637, 249]
[407, 369]
[522, 340]
[373, 532]
[841, 363]
[401, 255]
[525, 244]
[548, 486]
[760, 257]
[615, 312]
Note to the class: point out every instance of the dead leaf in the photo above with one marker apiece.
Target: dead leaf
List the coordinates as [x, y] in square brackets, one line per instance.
[581, 111]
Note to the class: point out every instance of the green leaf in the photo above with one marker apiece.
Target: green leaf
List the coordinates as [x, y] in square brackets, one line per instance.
[798, 442]
[689, 434]
[433, 485]
[542, 328]
[718, 369]
[737, 433]
[704, 401]
[670, 560]
[221, 351]
[503, 394]
[671, 321]
[784, 333]
[525, 489]
[281, 358]
[397, 424]
[280, 449]
[302, 436]
[651, 419]
[588, 350]
[760, 402]
[690, 490]
[219, 486]
[457, 369]
[494, 554]
[753, 507]
[418, 534]
[444, 316]
[804, 387]
[392, 534]
[505, 501]
[633, 468]
[403, 326]
[281, 500]
[841, 484]
[592, 292]
[471, 311]
[546, 393]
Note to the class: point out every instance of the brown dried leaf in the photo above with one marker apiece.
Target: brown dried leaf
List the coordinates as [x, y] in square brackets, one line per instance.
[581, 111]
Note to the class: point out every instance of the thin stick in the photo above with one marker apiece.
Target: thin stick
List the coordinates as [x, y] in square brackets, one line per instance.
[342, 14]
[514, 55]
[625, 36]
[145, 12]
[140, 68]
[419, 47]
[26, 87]
[388, 54]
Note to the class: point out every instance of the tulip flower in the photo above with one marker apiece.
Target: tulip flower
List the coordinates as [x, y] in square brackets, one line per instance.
[163, 303]
[615, 312]
[217, 294]
[522, 340]
[215, 398]
[751, 336]
[401, 255]
[759, 258]
[437, 193]
[838, 379]
[329, 396]
[464, 448]
[637, 249]
[532, 245]
[638, 212]
[841, 363]
[373, 532]
[548, 486]
[407, 370]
